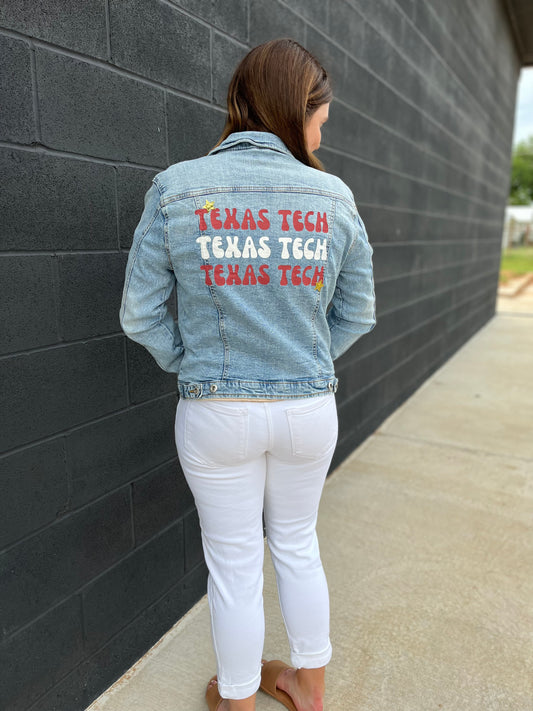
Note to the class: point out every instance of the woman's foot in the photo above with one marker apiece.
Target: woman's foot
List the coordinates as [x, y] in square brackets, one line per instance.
[213, 698]
[304, 686]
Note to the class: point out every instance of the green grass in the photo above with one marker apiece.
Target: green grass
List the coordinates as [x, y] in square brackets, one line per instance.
[515, 262]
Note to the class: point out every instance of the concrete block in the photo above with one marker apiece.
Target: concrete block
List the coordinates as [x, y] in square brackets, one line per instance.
[430, 28]
[437, 171]
[353, 133]
[333, 60]
[146, 380]
[52, 202]
[374, 366]
[474, 83]
[360, 88]
[347, 27]
[95, 673]
[393, 110]
[53, 563]
[90, 292]
[384, 15]
[449, 43]
[418, 52]
[272, 20]
[156, 40]
[395, 292]
[375, 51]
[230, 16]
[132, 185]
[226, 57]
[314, 11]
[40, 655]
[86, 109]
[376, 185]
[34, 490]
[194, 554]
[338, 164]
[30, 303]
[16, 93]
[193, 129]
[130, 586]
[471, 321]
[409, 7]
[160, 497]
[354, 411]
[47, 391]
[383, 227]
[193, 585]
[360, 370]
[404, 318]
[78, 26]
[111, 452]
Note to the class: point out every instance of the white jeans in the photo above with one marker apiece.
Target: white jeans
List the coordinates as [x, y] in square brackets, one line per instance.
[239, 458]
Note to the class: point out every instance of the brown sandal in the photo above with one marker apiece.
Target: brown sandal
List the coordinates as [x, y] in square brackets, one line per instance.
[212, 696]
[269, 676]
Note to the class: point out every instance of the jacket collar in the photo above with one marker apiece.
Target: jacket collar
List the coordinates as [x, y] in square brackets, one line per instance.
[257, 139]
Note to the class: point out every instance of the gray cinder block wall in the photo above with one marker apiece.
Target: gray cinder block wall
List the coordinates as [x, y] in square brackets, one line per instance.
[100, 543]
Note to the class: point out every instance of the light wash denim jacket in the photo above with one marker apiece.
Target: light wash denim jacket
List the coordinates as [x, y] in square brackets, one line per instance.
[258, 245]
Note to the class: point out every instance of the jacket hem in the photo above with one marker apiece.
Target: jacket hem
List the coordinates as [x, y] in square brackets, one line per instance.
[264, 389]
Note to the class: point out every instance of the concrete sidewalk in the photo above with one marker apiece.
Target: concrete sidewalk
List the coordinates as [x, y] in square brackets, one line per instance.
[426, 535]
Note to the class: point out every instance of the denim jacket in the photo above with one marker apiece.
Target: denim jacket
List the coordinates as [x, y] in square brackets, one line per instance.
[259, 246]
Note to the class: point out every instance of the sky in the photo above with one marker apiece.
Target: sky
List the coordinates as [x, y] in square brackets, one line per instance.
[523, 126]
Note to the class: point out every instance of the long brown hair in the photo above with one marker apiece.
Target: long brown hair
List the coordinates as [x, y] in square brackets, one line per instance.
[276, 87]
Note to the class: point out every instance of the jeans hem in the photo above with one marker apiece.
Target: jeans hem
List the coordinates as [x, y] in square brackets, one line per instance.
[239, 691]
[311, 661]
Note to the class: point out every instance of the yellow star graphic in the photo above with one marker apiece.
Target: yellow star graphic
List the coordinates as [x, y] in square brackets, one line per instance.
[209, 205]
[319, 285]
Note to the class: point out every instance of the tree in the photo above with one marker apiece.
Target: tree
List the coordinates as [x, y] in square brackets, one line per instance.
[522, 173]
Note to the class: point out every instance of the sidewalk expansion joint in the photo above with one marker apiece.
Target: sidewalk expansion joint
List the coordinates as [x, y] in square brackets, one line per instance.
[451, 445]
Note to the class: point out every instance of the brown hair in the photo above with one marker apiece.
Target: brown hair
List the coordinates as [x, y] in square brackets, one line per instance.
[276, 87]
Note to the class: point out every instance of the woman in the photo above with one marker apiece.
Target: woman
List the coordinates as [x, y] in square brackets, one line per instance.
[259, 241]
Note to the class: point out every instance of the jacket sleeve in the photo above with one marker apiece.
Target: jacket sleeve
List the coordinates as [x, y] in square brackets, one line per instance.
[144, 314]
[353, 307]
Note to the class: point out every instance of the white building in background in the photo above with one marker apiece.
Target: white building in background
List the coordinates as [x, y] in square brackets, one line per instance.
[518, 226]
